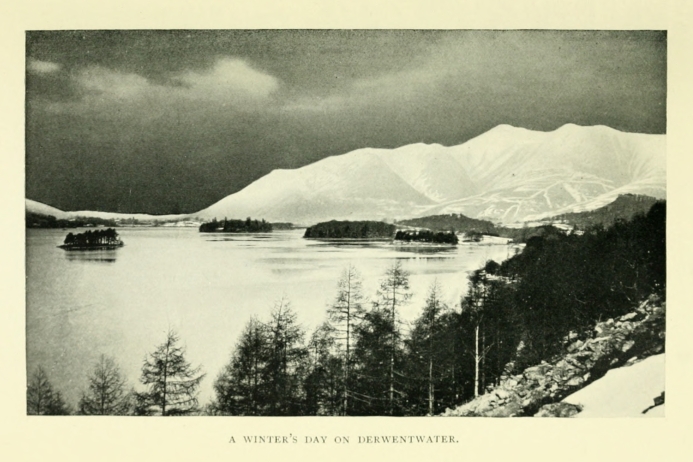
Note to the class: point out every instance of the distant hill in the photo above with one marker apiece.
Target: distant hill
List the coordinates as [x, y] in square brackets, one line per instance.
[473, 227]
[451, 222]
[37, 208]
[625, 207]
[39, 220]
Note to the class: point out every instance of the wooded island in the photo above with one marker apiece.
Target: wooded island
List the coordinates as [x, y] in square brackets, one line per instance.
[350, 230]
[236, 226]
[100, 239]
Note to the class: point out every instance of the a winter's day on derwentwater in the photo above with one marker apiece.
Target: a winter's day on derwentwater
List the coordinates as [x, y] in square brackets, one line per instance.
[345, 222]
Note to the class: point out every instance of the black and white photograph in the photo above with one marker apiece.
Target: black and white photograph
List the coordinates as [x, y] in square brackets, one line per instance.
[346, 222]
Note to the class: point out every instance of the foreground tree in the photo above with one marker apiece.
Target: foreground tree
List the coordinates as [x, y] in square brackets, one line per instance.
[392, 294]
[106, 394]
[428, 326]
[172, 382]
[345, 313]
[41, 398]
[286, 366]
[371, 368]
[324, 387]
[240, 387]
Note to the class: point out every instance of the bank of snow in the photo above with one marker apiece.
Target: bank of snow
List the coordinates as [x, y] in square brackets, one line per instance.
[624, 392]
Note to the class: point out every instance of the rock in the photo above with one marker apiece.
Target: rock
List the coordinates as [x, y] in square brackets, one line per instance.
[558, 410]
[537, 373]
[631, 337]
[575, 346]
[629, 316]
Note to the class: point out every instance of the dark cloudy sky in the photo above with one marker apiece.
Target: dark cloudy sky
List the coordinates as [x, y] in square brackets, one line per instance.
[172, 121]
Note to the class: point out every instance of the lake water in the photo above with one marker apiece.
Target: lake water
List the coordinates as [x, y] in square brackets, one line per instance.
[206, 287]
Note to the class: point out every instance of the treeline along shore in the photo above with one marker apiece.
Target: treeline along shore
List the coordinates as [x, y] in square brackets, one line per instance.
[363, 359]
[236, 226]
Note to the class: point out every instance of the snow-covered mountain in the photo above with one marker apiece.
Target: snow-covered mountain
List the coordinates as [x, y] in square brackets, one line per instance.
[43, 209]
[507, 174]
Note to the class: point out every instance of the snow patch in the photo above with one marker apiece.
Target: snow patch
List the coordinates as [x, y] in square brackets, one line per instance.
[624, 392]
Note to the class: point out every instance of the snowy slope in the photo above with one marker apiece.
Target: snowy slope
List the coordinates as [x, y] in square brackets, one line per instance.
[624, 392]
[43, 209]
[507, 174]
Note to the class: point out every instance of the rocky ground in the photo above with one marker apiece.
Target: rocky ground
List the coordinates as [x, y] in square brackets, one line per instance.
[538, 391]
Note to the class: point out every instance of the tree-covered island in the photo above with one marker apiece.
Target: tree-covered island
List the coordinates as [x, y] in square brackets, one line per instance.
[99, 239]
[350, 230]
[236, 226]
[427, 236]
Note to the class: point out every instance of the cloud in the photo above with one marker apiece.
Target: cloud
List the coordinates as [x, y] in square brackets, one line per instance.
[229, 78]
[113, 84]
[386, 89]
[230, 83]
[42, 67]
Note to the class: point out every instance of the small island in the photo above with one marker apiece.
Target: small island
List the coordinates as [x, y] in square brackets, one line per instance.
[427, 236]
[236, 226]
[100, 239]
[350, 230]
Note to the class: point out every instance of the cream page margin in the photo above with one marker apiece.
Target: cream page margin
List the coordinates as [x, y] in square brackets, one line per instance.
[207, 438]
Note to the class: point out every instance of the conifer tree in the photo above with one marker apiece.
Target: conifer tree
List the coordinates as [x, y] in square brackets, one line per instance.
[474, 306]
[430, 320]
[392, 294]
[285, 362]
[324, 383]
[240, 388]
[106, 394]
[172, 382]
[41, 398]
[345, 313]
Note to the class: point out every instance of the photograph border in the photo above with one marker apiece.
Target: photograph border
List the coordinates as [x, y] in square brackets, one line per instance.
[117, 438]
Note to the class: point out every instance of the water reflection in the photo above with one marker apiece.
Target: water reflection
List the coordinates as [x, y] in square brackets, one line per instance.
[101, 256]
[427, 250]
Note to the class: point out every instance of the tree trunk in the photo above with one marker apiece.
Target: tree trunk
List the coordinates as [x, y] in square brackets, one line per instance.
[392, 354]
[430, 387]
[346, 362]
[476, 361]
[483, 361]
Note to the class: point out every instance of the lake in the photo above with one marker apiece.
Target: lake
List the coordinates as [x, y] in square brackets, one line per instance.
[205, 286]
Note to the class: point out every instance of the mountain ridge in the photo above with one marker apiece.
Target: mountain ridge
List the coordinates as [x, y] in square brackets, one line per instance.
[505, 175]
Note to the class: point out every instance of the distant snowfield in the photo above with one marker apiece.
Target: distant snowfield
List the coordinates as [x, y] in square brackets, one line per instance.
[624, 392]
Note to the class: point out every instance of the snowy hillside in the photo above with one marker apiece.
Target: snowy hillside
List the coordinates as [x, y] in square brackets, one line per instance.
[507, 174]
[624, 392]
[43, 209]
